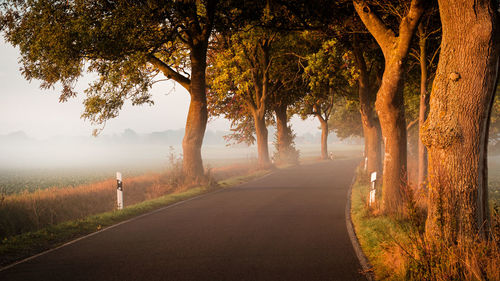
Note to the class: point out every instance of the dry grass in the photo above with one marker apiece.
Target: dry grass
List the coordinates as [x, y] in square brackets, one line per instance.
[24, 212]
[399, 250]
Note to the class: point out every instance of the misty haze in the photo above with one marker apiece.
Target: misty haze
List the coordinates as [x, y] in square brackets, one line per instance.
[249, 140]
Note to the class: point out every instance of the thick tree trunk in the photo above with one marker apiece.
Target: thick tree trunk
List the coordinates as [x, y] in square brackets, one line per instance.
[371, 130]
[422, 115]
[196, 123]
[456, 130]
[284, 140]
[372, 146]
[390, 100]
[390, 109]
[324, 138]
[262, 142]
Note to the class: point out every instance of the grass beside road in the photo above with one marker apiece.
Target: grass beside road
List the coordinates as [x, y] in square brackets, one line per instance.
[376, 235]
[20, 246]
[397, 248]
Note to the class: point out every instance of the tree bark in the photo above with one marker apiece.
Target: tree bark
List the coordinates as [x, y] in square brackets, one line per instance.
[422, 114]
[324, 137]
[196, 123]
[371, 130]
[390, 109]
[261, 134]
[372, 146]
[390, 101]
[284, 140]
[456, 130]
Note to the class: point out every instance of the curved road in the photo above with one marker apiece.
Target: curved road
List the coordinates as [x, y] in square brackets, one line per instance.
[289, 225]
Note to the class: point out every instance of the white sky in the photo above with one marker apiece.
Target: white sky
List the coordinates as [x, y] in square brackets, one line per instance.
[25, 107]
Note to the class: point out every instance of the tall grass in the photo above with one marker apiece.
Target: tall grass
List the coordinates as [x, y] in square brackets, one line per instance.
[399, 250]
[30, 211]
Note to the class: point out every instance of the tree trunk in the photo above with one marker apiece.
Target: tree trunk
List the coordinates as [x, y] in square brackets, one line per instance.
[390, 100]
[324, 138]
[390, 109]
[192, 164]
[422, 115]
[456, 130]
[371, 130]
[262, 142]
[283, 140]
[372, 146]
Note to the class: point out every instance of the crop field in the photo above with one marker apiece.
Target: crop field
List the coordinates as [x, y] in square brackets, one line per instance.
[28, 211]
[29, 180]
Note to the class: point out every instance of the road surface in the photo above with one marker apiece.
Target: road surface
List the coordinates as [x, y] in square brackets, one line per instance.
[289, 225]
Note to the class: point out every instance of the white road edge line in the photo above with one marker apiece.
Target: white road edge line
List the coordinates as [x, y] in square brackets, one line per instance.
[138, 217]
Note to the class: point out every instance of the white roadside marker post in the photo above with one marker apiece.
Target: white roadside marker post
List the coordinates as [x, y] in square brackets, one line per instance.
[366, 163]
[372, 189]
[119, 191]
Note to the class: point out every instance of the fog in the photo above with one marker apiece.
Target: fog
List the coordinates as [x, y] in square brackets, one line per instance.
[128, 150]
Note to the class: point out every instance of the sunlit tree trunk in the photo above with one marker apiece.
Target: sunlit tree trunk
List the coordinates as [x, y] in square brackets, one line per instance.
[192, 164]
[196, 122]
[424, 102]
[372, 146]
[456, 130]
[324, 137]
[390, 108]
[390, 102]
[262, 138]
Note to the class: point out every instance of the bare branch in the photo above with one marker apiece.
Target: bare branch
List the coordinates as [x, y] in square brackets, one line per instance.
[411, 124]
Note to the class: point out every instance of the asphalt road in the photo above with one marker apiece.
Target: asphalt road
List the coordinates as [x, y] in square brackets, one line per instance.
[289, 225]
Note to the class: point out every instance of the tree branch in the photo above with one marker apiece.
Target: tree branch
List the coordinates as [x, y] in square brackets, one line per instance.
[169, 72]
[384, 36]
[408, 25]
[411, 124]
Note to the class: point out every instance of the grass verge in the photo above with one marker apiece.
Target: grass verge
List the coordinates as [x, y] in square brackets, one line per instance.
[377, 235]
[397, 248]
[24, 245]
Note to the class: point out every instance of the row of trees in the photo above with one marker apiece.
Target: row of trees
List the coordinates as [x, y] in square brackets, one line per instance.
[258, 62]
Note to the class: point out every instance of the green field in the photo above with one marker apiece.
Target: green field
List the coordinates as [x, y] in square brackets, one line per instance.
[29, 180]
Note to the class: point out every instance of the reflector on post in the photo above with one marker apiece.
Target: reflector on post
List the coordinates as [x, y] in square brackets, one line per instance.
[119, 191]
[371, 200]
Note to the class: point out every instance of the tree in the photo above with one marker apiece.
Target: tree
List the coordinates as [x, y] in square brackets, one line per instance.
[285, 149]
[127, 44]
[345, 120]
[281, 100]
[241, 84]
[326, 71]
[290, 87]
[456, 130]
[390, 102]
[429, 39]
[369, 119]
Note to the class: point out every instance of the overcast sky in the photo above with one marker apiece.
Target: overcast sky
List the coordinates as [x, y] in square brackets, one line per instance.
[25, 107]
